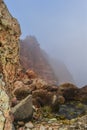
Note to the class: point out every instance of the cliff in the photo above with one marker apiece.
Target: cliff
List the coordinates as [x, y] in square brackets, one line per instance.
[29, 96]
[9, 62]
[31, 57]
[61, 71]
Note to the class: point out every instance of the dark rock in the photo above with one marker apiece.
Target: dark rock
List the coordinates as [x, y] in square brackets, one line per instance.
[68, 91]
[72, 110]
[41, 97]
[23, 110]
[81, 94]
[21, 92]
[52, 88]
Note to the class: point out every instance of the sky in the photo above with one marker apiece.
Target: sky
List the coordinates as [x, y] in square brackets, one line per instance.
[60, 27]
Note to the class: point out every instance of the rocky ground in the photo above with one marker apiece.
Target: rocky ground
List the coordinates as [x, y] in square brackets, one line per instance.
[54, 124]
[28, 102]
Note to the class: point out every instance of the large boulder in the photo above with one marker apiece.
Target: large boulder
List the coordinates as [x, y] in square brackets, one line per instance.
[5, 117]
[68, 91]
[23, 110]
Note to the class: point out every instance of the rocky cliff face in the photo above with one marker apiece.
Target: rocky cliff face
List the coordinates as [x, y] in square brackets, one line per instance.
[9, 48]
[31, 56]
[9, 61]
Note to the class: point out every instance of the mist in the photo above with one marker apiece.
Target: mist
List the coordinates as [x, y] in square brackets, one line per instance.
[61, 29]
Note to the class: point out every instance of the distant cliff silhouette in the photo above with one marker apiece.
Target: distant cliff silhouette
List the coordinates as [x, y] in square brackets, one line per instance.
[33, 57]
[61, 71]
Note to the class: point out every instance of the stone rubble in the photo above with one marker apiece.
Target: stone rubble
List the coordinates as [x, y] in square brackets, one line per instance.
[79, 123]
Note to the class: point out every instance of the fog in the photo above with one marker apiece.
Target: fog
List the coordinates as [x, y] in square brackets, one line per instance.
[61, 29]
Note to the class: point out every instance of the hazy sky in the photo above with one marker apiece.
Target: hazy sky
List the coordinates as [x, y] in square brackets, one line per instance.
[60, 26]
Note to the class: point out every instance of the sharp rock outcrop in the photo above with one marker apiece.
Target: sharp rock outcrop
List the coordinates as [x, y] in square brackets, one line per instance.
[9, 62]
[31, 57]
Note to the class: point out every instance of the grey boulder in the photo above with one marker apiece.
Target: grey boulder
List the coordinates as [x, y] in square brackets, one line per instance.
[23, 110]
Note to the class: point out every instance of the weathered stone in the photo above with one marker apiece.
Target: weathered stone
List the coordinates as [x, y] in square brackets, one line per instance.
[20, 90]
[5, 119]
[42, 97]
[39, 83]
[68, 91]
[31, 74]
[20, 123]
[9, 61]
[42, 127]
[9, 45]
[81, 94]
[21, 128]
[29, 125]
[23, 110]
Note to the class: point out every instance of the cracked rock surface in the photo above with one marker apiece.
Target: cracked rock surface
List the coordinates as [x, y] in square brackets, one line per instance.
[9, 62]
[9, 44]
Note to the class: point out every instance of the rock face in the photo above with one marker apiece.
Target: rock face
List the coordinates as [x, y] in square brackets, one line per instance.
[5, 119]
[9, 61]
[31, 56]
[9, 48]
[50, 69]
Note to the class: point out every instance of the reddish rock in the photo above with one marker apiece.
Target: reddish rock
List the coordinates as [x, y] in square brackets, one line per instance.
[14, 102]
[39, 83]
[18, 84]
[21, 92]
[32, 87]
[9, 62]
[21, 128]
[31, 74]
[21, 74]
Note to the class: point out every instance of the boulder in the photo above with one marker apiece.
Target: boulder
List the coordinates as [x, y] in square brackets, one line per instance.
[21, 91]
[81, 94]
[5, 118]
[23, 110]
[31, 74]
[68, 91]
[39, 83]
